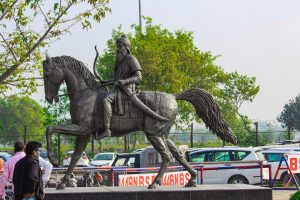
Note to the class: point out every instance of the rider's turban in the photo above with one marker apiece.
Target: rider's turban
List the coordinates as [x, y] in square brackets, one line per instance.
[123, 40]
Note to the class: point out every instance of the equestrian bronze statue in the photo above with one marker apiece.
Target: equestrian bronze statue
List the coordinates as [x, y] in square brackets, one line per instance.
[98, 113]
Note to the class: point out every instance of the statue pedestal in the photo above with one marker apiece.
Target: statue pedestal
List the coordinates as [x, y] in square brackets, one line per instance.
[201, 192]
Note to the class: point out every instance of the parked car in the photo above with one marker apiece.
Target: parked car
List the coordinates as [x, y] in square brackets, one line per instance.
[4, 156]
[82, 162]
[103, 159]
[293, 148]
[146, 157]
[44, 154]
[273, 156]
[228, 156]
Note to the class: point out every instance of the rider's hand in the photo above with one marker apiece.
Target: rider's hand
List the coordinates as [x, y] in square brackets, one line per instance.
[121, 82]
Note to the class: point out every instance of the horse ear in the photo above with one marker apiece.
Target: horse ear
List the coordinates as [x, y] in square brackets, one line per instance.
[47, 56]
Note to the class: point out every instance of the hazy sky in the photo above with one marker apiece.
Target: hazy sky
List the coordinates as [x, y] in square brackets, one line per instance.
[258, 38]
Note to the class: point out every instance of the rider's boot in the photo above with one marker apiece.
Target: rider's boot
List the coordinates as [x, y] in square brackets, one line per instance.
[107, 114]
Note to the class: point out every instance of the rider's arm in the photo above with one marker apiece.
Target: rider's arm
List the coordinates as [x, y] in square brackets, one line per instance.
[135, 69]
[135, 78]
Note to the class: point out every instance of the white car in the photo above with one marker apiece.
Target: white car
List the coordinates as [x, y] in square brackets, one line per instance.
[273, 156]
[82, 162]
[103, 159]
[228, 156]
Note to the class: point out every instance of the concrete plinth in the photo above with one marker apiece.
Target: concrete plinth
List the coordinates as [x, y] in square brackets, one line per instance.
[201, 192]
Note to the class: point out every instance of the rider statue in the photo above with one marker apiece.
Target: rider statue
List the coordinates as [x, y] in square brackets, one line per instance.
[127, 75]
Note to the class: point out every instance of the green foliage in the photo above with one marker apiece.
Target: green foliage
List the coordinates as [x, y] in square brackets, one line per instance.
[290, 115]
[29, 26]
[217, 143]
[295, 196]
[15, 114]
[172, 63]
[58, 113]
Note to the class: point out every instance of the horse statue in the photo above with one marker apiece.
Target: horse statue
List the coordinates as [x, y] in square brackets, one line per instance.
[86, 117]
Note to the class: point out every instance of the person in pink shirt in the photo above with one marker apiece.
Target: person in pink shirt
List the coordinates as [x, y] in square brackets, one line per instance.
[9, 166]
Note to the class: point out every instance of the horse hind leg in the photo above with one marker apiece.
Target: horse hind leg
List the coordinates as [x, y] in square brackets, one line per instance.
[179, 157]
[160, 145]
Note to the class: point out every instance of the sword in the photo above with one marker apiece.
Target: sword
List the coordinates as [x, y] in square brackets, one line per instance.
[138, 103]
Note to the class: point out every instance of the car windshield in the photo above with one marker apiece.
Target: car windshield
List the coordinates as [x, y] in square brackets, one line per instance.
[104, 157]
[69, 154]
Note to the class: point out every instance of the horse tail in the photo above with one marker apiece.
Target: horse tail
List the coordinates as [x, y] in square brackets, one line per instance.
[208, 110]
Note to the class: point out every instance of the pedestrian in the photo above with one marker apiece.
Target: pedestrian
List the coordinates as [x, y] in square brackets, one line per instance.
[27, 177]
[9, 166]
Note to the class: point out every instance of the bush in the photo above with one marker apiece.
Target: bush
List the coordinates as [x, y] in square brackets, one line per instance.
[295, 196]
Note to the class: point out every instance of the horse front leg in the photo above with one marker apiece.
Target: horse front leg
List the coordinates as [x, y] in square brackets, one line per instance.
[67, 129]
[81, 143]
[160, 145]
[49, 132]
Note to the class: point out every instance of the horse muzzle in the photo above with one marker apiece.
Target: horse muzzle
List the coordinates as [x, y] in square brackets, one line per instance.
[49, 99]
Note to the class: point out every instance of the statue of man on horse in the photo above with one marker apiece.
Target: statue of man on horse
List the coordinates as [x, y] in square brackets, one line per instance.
[93, 109]
[127, 76]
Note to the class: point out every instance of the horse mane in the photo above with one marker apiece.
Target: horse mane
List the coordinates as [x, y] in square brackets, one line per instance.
[79, 68]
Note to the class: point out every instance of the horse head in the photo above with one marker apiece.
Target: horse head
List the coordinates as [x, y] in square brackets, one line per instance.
[53, 77]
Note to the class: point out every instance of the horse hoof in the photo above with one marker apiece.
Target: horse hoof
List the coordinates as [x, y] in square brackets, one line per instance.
[153, 185]
[61, 186]
[191, 184]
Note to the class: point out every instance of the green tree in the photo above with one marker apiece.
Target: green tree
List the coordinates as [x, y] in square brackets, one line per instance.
[171, 63]
[290, 116]
[15, 114]
[28, 26]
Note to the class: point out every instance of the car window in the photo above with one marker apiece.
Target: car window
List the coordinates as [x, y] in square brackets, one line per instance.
[222, 156]
[239, 155]
[120, 162]
[70, 154]
[273, 157]
[104, 157]
[198, 157]
[131, 162]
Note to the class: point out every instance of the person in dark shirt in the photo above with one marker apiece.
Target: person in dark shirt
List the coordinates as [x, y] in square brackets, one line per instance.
[27, 178]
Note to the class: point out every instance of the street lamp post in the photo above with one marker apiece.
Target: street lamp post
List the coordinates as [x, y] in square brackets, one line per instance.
[256, 133]
[140, 14]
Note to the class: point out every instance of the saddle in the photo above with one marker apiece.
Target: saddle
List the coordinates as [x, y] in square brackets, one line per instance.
[132, 114]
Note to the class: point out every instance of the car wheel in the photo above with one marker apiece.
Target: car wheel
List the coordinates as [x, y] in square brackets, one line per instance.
[287, 177]
[238, 180]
